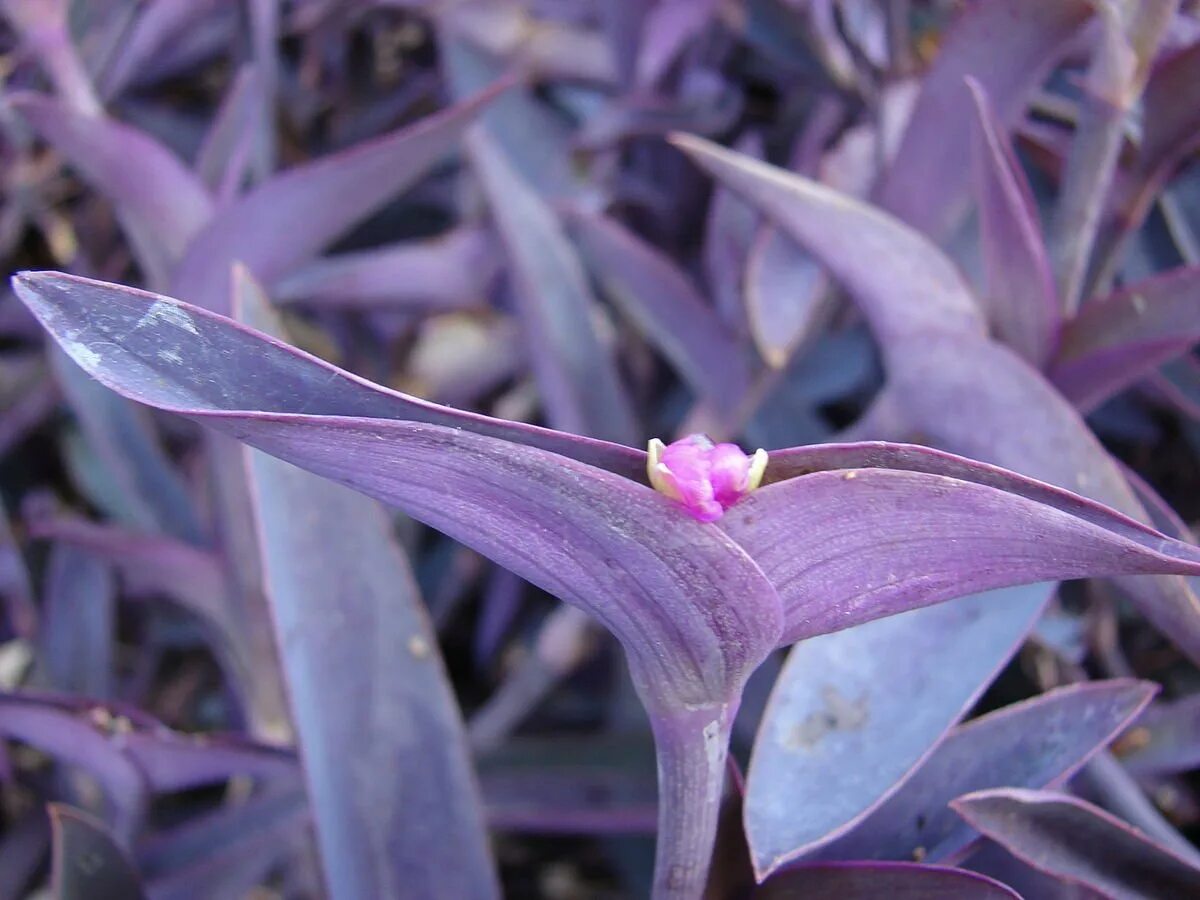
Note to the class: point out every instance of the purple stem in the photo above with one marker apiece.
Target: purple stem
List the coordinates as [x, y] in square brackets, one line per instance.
[691, 745]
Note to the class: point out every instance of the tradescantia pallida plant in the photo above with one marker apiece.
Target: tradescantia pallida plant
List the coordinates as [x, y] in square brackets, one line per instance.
[823, 538]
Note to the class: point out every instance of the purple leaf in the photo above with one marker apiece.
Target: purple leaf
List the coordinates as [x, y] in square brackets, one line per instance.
[1032, 744]
[226, 852]
[667, 308]
[163, 204]
[729, 230]
[965, 541]
[22, 853]
[1167, 739]
[842, 713]
[1170, 130]
[667, 29]
[44, 29]
[375, 682]
[290, 217]
[1118, 339]
[902, 282]
[1020, 294]
[154, 497]
[177, 762]
[575, 368]
[74, 735]
[451, 271]
[786, 296]
[870, 880]
[222, 159]
[1008, 46]
[156, 24]
[87, 861]
[1070, 839]
[78, 626]
[1129, 38]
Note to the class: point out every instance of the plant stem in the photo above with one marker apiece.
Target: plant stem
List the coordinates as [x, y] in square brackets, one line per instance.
[692, 746]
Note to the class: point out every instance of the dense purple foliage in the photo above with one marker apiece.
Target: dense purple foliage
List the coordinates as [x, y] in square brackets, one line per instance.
[331, 563]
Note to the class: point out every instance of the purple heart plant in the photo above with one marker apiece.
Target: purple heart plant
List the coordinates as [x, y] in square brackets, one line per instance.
[428, 275]
[730, 558]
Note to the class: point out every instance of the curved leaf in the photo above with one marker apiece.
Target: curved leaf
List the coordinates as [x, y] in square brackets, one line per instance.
[1031, 744]
[902, 281]
[1068, 838]
[1008, 46]
[1020, 286]
[1120, 338]
[289, 218]
[667, 308]
[870, 880]
[374, 681]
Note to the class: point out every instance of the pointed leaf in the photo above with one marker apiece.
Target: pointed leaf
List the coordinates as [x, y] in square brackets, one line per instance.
[842, 729]
[285, 374]
[447, 272]
[144, 180]
[1008, 46]
[870, 880]
[576, 371]
[222, 158]
[786, 296]
[1068, 838]
[88, 862]
[375, 681]
[667, 308]
[921, 538]
[902, 282]
[45, 30]
[1020, 286]
[1032, 744]
[290, 217]
[1118, 339]
[626, 563]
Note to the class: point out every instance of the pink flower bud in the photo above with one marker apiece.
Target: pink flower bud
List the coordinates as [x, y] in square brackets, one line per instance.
[705, 478]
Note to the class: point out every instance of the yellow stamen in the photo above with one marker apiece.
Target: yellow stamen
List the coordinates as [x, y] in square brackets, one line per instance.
[758, 465]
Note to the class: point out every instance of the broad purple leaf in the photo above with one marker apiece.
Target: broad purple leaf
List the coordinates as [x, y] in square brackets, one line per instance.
[284, 374]
[160, 201]
[1008, 46]
[667, 308]
[980, 399]
[451, 271]
[1019, 294]
[1070, 839]
[902, 282]
[846, 711]
[1167, 739]
[292, 216]
[870, 880]
[78, 629]
[575, 368]
[966, 539]
[88, 861]
[476, 488]
[1032, 744]
[1118, 339]
[1129, 37]
[376, 682]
